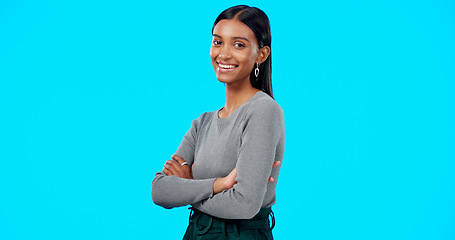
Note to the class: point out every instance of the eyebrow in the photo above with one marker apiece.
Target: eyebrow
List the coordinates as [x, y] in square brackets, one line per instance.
[246, 39]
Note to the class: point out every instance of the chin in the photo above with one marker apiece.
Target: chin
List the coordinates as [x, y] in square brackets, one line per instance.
[225, 79]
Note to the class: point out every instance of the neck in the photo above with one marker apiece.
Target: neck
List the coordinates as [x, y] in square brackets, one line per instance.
[236, 95]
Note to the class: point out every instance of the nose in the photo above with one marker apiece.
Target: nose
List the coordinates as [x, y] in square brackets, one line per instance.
[225, 52]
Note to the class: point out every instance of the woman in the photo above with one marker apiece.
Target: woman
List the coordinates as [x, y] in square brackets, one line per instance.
[227, 162]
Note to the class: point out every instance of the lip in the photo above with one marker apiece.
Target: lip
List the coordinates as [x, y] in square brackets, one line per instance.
[225, 70]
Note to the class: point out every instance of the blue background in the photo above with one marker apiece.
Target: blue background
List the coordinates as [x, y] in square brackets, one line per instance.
[96, 95]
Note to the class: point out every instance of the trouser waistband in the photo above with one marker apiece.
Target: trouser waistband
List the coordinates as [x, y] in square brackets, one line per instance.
[205, 222]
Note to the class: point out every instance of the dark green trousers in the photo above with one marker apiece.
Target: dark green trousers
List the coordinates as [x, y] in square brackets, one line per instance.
[206, 227]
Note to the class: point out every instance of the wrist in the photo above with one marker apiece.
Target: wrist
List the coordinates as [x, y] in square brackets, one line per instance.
[218, 185]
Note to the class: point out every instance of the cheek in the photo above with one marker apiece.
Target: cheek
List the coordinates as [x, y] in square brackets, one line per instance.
[253, 58]
[248, 59]
[213, 53]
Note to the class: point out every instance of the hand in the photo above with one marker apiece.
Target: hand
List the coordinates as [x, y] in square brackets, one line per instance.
[275, 164]
[174, 167]
[228, 182]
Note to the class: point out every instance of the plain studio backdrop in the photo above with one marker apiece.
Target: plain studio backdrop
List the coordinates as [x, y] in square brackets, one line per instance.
[96, 95]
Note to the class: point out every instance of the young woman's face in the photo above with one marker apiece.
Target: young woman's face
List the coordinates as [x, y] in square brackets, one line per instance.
[234, 51]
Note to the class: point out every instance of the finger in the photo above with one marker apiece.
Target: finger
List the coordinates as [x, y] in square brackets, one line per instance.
[233, 174]
[173, 170]
[180, 160]
[176, 166]
[177, 158]
[167, 172]
[276, 164]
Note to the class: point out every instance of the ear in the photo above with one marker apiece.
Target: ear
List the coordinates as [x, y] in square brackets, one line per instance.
[263, 54]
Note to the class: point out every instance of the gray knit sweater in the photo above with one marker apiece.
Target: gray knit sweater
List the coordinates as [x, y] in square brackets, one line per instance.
[251, 139]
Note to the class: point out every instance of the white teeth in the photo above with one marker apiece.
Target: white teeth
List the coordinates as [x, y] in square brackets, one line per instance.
[226, 66]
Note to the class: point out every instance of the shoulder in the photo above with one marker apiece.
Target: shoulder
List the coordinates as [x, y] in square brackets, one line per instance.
[263, 116]
[202, 120]
[264, 105]
[264, 111]
[205, 116]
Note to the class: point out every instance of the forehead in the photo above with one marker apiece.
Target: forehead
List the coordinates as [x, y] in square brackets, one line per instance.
[228, 28]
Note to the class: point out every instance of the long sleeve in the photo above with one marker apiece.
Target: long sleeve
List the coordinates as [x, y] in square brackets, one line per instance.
[172, 191]
[263, 134]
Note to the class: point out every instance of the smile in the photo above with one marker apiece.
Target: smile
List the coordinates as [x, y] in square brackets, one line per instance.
[226, 66]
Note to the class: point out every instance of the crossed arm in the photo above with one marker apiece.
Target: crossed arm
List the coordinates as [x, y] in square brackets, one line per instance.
[239, 194]
[176, 167]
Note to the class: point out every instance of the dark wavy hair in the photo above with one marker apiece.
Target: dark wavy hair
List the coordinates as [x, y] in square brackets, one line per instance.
[258, 22]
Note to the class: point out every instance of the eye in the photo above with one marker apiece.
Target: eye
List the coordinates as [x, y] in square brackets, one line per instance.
[216, 42]
[239, 45]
